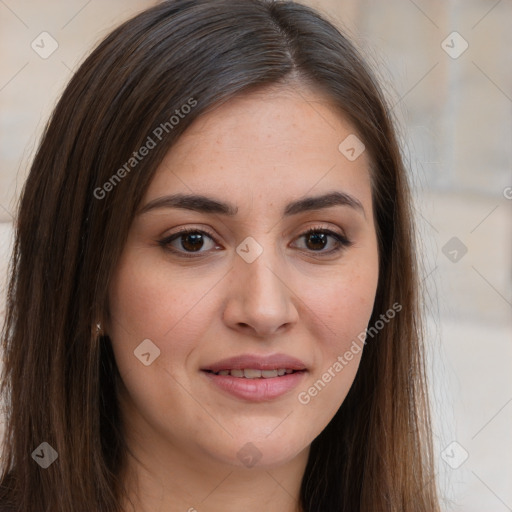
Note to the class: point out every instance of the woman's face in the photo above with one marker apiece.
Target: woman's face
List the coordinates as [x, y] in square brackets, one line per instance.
[246, 293]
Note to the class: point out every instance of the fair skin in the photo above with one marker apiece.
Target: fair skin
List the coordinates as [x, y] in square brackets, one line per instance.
[299, 297]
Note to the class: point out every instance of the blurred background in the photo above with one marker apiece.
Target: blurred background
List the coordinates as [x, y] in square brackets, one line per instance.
[447, 71]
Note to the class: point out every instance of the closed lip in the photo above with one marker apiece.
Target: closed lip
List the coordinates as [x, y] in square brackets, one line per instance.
[257, 362]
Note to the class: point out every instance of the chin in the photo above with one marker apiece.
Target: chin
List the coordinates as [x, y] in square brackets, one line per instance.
[258, 451]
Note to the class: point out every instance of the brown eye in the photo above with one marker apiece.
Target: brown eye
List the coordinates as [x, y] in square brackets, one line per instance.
[187, 241]
[192, 241]
[316, 240]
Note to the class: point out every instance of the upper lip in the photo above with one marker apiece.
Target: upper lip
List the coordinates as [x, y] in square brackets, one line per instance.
[257, 362]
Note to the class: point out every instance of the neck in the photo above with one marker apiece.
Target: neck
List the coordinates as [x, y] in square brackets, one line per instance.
[168, 475]
[169, 480]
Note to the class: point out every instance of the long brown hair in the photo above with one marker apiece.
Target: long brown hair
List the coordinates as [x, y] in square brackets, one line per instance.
[60, 377]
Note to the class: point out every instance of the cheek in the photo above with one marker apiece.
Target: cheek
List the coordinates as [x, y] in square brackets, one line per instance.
[148, 298]
[344, 313]
[342, 307]
[350, 302]
[142, 306]
[345, 304]
[150, 301]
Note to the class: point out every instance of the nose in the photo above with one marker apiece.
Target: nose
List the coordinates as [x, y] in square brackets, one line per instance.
[261, 301]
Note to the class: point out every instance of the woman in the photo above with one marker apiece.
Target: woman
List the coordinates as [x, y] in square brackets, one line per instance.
[214, 296]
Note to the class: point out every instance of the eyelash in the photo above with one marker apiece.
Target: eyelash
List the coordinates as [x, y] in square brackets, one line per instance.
[343, 242]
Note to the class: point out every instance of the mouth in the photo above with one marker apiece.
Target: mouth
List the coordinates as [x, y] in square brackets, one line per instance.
[256, 378]
[253, 373]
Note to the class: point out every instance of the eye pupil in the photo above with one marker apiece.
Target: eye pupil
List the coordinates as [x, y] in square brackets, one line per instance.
[317, 238]
[195, 244]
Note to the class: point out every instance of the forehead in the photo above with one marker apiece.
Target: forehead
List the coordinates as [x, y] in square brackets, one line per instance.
[274, 144]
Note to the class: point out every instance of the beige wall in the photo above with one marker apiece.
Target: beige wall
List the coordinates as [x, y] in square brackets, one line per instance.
[455, 118]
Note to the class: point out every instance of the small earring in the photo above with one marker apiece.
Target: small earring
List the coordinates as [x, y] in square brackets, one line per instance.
[99, 330]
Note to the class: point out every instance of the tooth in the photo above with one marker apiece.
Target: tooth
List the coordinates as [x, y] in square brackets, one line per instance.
[252, 374]
[267, 374]
[289, 371]
[281, 371]
[237, 373]
[223, 372]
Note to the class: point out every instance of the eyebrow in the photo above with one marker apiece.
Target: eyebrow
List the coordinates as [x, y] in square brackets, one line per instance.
[204, 204]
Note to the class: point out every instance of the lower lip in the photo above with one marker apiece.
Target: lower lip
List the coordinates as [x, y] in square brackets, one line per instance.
[256, 390]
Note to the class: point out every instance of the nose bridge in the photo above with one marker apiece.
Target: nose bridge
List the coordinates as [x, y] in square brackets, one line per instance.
[262, 282]
[261, 297]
